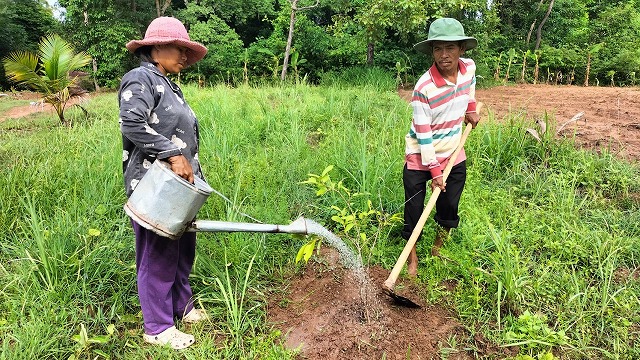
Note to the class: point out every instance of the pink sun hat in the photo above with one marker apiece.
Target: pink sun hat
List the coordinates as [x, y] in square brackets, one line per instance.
[169, 30]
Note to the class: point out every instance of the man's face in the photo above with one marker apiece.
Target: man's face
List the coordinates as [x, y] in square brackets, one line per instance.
[446, 55]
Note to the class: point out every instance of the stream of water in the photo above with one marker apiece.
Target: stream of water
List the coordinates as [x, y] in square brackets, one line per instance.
[352, 261]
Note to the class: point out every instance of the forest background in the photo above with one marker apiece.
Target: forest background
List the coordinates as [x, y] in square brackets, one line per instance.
[583, 42]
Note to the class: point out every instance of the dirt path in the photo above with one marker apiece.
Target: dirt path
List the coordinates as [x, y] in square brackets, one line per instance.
[36, 105]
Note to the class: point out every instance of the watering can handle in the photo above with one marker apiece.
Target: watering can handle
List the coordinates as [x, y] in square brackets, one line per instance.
[395, 272]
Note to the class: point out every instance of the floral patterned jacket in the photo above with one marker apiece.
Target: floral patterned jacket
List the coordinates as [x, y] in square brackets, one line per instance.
[156, 123]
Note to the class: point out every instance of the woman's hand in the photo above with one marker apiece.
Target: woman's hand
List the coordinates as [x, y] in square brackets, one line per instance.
[181, 166]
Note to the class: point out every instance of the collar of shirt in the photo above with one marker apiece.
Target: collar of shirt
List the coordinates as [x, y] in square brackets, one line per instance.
[154, 69]
[439, 80]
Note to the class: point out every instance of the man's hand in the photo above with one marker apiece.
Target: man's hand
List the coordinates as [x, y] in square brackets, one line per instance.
[437, 182]
[181, 166]
[472, 119]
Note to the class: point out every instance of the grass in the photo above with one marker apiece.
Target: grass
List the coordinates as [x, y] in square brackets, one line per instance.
[542, 257]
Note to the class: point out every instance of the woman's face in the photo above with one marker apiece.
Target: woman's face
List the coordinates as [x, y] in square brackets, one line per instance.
[171, 59]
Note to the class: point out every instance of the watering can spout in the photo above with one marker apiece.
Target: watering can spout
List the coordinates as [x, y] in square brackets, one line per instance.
[297, 227]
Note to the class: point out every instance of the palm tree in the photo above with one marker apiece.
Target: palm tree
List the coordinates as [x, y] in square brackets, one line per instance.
[47, 72]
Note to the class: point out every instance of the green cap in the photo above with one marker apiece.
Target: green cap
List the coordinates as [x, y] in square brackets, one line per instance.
[445, 29]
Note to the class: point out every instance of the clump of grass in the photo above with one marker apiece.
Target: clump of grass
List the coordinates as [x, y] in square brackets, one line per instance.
[360, 77]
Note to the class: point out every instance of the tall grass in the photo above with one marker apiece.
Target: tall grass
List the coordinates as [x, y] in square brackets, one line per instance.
[545, 255]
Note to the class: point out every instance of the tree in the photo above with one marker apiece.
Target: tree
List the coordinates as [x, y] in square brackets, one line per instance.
[544, 19]
[292, 22]
[48, 71]
[402, 17]
[102, 28]
[225, 50]
[161, 9]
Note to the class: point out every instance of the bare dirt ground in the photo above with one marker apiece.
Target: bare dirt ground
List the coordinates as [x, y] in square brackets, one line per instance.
[327, 314]
[611, 114]
[36, 106]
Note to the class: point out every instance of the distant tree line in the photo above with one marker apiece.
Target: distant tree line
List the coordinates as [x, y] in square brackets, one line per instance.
[583, 42]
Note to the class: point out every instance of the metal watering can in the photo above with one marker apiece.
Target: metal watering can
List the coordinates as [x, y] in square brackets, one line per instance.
[167, 204]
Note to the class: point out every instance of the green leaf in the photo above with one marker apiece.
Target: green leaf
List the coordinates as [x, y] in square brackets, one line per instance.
[309, 251]
[300, 254]
[99, 339]
[101, 353]
[327, 170]
[94, 232]
[306, 251]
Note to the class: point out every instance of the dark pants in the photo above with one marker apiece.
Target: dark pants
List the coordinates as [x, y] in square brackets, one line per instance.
[415, 185]
[163, 266]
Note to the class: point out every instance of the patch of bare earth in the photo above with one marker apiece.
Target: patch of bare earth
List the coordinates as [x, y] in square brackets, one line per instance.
[327, 313]
[36, 105]
[611, 114]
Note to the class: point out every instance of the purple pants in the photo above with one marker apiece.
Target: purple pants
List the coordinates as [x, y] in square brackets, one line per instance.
[163, 266]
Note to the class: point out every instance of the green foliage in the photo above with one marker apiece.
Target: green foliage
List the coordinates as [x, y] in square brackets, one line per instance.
[371, 77]
[233, 298]
[355, 218]
[102, 28]
[339, 35]
[306, 251]
[85, 342]
[531, 332]
[225, 48]
[24, 22]
[48, 71]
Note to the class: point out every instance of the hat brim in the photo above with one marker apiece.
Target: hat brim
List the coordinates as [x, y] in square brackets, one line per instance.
[425, 45]
[195, 50]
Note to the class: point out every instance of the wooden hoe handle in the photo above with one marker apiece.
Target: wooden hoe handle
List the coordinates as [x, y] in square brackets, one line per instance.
[391, 280]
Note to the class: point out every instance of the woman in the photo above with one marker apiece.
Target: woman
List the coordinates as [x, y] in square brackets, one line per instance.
[157, 124]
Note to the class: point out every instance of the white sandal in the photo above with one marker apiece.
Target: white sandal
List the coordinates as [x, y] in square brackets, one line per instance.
[172, 337]
[195, 315]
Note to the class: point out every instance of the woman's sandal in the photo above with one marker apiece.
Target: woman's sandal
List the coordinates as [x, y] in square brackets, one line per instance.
[195, 315]
[172, 337]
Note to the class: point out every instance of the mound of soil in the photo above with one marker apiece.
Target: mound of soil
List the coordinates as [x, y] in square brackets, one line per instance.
[326, 313]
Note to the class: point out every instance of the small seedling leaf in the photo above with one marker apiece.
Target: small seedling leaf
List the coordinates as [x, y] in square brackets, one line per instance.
[99, 339]
[327, 170]
[309, 250]
[300, 254]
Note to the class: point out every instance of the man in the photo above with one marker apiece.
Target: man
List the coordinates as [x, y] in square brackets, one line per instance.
[442, 99]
